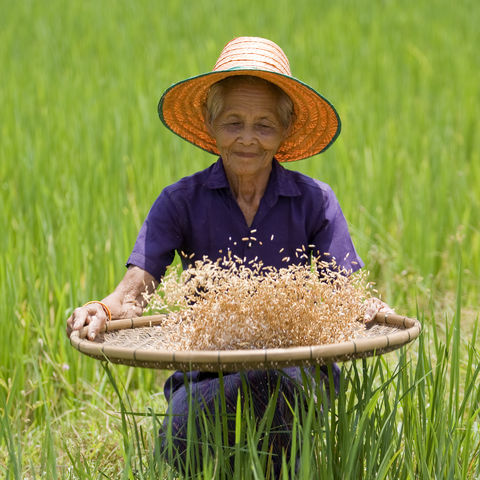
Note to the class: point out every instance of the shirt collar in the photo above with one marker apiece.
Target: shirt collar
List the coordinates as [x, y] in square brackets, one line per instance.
[217, 177]
[280, 182]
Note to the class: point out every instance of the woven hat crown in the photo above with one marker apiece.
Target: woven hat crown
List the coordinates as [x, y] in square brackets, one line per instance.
[253, 53]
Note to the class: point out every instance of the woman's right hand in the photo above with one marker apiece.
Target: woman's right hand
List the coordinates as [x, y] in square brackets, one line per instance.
[92, 314]
[127, 301]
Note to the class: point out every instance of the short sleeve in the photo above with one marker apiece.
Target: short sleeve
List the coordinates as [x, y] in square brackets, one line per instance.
[159, 237]
[332, 238]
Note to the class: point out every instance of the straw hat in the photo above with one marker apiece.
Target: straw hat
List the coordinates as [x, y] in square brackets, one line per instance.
[316, 124]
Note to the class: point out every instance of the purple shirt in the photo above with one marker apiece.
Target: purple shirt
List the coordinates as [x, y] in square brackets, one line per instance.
[198, 216]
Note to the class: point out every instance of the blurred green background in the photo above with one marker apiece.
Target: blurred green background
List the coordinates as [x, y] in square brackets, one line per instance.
[83, 155]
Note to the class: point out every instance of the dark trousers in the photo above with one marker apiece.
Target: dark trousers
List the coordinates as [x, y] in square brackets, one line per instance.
[196, 395]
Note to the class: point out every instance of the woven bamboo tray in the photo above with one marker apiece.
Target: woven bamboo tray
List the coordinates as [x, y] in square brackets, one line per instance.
[131, 342]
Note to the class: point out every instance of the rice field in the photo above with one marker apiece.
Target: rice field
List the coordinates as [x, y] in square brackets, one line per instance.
[83, 155]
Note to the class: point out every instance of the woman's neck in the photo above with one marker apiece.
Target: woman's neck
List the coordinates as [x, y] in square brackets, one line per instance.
[248, 192]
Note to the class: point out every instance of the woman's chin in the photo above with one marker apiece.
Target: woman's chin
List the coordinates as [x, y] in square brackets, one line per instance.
[248, 166]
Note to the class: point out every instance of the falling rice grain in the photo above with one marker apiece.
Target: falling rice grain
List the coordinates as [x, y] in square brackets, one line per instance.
[229, 304]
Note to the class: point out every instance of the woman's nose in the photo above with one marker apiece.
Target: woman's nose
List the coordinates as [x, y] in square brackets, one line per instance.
[247, 135]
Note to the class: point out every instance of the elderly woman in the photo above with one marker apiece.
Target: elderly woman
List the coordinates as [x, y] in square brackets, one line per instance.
[252, 113]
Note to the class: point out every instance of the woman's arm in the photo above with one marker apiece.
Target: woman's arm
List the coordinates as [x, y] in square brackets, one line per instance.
[126, 301]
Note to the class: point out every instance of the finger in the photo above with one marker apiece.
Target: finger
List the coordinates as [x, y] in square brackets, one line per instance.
[69, 326]
[131, 309]
[386, 309]
[371, 310]
[382, 307]
[81, 318]
[137, 310]
[72, 317]
[96, 324]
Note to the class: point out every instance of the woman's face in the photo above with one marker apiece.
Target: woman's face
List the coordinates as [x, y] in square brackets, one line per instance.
[248, 130]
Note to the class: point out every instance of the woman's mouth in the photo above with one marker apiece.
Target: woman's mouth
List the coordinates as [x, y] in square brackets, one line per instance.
[246, 154]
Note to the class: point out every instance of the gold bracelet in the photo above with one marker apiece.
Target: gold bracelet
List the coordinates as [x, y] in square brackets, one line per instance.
[105, 308]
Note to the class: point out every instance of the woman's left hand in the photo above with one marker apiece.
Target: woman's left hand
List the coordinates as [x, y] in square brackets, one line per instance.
[374, 306]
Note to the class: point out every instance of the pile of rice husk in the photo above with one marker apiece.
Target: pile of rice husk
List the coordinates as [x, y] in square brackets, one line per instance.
[229, 305]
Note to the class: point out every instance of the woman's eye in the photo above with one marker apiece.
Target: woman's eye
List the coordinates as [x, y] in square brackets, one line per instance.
[264, 127]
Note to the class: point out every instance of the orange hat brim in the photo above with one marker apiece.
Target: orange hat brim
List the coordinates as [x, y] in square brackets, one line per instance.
[315, 127]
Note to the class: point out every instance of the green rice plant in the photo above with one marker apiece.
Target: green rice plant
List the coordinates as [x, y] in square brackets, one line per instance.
[13, 467]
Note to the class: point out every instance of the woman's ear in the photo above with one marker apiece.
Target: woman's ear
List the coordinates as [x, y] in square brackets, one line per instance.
[208, 123]
[210, 128]
[289, 129]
